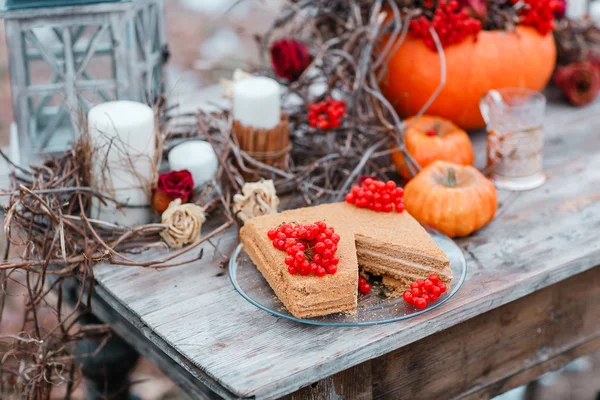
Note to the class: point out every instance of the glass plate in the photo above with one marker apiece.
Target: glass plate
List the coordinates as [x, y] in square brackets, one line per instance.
[373, 308]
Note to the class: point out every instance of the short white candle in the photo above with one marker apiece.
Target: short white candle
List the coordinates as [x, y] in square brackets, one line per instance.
[576, 9]
[198, 157]
[257, 102]
[123, 147]
[595, 12]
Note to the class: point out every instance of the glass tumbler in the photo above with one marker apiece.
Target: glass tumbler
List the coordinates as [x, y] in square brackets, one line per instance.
[515, 142]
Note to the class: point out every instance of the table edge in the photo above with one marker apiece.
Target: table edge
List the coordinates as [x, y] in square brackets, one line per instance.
[385, 344]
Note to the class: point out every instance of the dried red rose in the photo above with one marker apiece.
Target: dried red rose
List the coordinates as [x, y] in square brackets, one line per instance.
[476, 8]
[560, 9]
[579, 82]
[289, 58]
[172, 185]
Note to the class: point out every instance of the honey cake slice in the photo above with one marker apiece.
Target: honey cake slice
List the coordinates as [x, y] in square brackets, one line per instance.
[306, 296]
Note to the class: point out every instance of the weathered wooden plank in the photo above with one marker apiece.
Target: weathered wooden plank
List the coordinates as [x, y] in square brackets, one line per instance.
[539, 238]
[527, 376]
[354, 383]
[125, 324]
[485, 356]
[499, 350]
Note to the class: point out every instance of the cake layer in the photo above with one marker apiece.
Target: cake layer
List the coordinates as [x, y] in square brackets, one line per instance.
[376, 269]
[403, 283]
[347, 307]
[382, 264]
[399, 285]
[369, 245]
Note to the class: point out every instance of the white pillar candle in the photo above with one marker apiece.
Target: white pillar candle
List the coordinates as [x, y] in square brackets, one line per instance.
[198, 157]
[576, 9]
[595, 12]
[257, 102]
[123, 147]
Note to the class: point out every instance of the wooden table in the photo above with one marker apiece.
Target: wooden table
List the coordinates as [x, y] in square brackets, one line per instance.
[530, 303]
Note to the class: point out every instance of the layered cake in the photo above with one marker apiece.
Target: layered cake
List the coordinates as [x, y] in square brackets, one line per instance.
[392, 245]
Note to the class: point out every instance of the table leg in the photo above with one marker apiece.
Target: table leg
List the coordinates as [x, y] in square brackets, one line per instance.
[107, 371]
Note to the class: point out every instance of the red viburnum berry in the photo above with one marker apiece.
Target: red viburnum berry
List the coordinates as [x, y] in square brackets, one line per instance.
[326, 114]
[310, 248]
[451, 23]
[538, 14]
[423, 292]
[376, 195]
[363, 286]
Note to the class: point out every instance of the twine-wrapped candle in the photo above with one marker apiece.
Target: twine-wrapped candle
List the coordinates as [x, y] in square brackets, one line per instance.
[260, 127]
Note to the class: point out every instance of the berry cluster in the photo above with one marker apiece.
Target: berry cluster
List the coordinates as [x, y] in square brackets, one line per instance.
[424, 291]
[539, 14]
[326, 114]
[363, 286]
[310, 248]
[377, 195]
[451, 24]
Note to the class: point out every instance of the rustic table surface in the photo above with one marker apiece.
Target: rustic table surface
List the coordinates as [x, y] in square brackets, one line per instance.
[529, 304]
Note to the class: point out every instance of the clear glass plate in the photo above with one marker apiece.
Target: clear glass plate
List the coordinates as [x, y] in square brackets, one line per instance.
[373, 308]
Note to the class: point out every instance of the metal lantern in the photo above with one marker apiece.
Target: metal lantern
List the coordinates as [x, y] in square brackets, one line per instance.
[67, 55]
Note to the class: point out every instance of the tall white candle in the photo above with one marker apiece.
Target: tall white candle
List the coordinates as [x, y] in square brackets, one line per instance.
[257, 102]
[595, 12]
[123, 148]
[198, 157]
[576, 9]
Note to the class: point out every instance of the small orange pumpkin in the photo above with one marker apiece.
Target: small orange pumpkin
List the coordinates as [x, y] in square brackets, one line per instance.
[454, 199]
[430, 139]
[493, 60]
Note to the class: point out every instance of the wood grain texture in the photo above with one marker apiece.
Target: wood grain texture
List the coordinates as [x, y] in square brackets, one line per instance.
[538, 238]
[499, 350]
[484, 356]
[186, 375]
[354, 383]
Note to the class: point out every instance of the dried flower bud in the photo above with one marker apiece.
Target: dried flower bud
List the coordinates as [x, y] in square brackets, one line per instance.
[184, 222]
[256, 199]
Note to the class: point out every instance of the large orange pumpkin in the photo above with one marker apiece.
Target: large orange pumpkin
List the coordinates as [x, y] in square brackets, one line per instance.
[430, 139]
[494, 60]
[454, 199]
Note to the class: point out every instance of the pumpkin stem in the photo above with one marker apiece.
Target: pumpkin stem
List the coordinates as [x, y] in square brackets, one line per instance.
[451, 179]
[436, 128]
